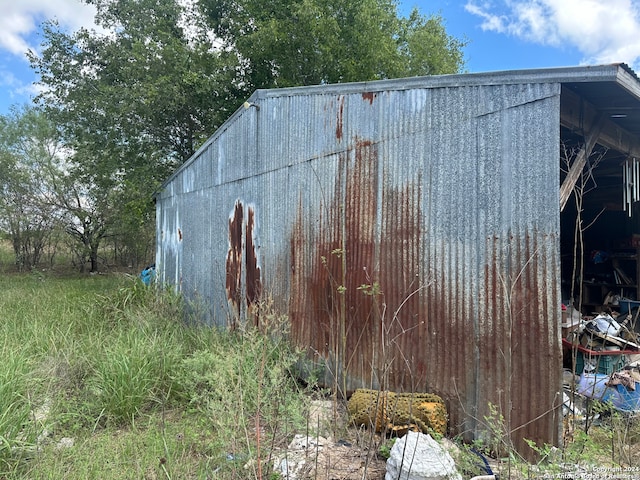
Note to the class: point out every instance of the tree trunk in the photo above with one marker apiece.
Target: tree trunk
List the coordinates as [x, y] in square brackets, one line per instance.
[93, 257]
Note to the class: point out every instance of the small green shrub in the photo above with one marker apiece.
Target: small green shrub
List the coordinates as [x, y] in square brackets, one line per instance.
[243, 382]
[384, 450]
[123, 384]
[136, 369]
[134, 301]
[469, 461]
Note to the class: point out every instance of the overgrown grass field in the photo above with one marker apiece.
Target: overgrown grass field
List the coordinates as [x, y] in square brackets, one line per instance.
[102, 377]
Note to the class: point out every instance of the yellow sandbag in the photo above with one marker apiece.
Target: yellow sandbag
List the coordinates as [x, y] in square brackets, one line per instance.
[398, 412]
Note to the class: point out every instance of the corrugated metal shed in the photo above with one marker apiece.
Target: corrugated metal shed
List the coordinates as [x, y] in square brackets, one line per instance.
[409, 228]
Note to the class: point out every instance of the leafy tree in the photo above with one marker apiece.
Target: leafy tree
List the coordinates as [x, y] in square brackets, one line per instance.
[133, 104]
[137, 99]
[44, 189]
[27, 145]
[87, 202]
[147, 93]
[302, 42]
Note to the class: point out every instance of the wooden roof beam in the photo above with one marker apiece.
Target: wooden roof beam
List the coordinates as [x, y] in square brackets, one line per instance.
[591, 138]
[578, 115]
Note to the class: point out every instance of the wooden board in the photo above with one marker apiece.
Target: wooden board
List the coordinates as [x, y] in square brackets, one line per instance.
[621, 342]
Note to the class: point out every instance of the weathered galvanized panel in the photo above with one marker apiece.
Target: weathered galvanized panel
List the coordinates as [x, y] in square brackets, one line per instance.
[410, 230]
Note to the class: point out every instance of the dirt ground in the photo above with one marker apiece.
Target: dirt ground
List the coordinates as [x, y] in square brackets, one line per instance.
[344, 452]
[340, 452]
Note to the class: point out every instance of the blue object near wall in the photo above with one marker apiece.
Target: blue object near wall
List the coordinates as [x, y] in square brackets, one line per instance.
[627, 400]
[148, 274]
[627, 305]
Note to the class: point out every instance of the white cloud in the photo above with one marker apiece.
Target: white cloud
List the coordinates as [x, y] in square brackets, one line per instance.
[603, 31]
[20, 20]
[8, 78]
[492, 22]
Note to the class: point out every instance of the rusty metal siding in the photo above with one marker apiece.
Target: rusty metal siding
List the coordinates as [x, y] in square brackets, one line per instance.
[409, 229]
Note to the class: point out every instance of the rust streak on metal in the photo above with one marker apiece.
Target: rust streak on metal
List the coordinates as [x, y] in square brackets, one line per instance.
[340, 118]
[350, 277]
[234, 259]
[369, 97]
[530, 349]
[400, 264]
[254, 283]
[297, 301]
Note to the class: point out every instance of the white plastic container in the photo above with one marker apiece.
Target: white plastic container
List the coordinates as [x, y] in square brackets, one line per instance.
[593, 385]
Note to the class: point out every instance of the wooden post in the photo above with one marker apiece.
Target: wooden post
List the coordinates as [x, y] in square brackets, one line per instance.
[591, 138]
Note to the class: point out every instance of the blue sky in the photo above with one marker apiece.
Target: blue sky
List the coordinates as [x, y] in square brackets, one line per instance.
[501, 34]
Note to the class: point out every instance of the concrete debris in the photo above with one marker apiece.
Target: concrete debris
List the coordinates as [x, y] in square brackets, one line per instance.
[305, 442]
[64, 442]
[417, 456]
[301, 449]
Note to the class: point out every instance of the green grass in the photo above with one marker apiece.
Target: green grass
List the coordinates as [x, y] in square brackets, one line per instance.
[112, 365]
[145, 393]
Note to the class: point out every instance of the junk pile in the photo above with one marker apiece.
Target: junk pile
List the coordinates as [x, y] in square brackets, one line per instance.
[604, 355]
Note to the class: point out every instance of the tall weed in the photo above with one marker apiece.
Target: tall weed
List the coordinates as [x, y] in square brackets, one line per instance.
[244, 383]
[112, 359]
[142, 347]
[125, 379]
[15, 427]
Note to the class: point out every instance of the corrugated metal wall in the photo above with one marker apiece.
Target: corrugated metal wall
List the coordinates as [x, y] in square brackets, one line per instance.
[411, 232]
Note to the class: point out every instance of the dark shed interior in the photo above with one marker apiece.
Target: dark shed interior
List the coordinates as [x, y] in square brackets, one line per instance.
[600, 216]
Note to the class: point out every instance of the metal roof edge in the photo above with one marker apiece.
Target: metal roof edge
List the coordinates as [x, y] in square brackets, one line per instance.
[629, 80]
[219, 131]
[620, 73]
[607, 72]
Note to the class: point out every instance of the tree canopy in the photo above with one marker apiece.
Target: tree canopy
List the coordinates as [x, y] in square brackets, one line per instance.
[136, 99]
[145, 92]
[165, 75]
[28, 147]
[283, 43]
